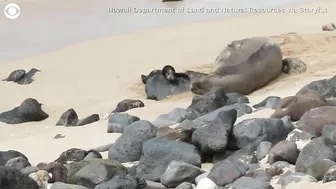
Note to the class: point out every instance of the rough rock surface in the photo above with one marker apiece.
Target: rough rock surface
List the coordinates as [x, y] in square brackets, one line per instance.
[178, 172]
[158, 153]
[318, 149]
[128, 146]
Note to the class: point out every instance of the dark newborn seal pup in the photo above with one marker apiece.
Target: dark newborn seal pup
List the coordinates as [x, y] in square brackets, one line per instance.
[243, 67]
[128, 104]
[29, 110]
[160, 84]
[170, 75]
[21, 77]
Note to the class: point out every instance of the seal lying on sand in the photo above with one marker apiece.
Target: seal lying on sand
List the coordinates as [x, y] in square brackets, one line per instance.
[169, 73]
[29, 110]
[21, 77]
[162, 83]
[243, 67]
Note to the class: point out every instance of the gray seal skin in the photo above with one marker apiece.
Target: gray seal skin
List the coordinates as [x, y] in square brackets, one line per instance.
[162, 83]
[21, 77]
[243, 67]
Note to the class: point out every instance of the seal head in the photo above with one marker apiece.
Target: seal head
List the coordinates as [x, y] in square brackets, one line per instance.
[169, 73]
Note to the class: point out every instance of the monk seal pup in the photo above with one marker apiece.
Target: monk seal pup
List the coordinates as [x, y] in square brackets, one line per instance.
[168, 72]
[166, 83]
[243, 67]
[170, 75]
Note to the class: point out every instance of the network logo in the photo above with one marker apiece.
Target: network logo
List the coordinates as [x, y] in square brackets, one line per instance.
[12, 11]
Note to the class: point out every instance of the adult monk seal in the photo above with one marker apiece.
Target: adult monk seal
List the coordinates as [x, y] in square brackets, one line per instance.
[243, 67]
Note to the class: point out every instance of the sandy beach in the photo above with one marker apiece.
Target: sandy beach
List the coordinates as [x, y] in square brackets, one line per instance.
[93, 76]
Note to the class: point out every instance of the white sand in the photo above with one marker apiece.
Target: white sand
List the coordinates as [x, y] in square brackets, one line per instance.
[92, 77]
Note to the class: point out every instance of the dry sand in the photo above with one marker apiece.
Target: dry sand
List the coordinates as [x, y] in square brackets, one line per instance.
[92, 77]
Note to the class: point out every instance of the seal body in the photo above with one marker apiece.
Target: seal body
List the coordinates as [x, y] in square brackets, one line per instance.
[161, 83]
[243, 67]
